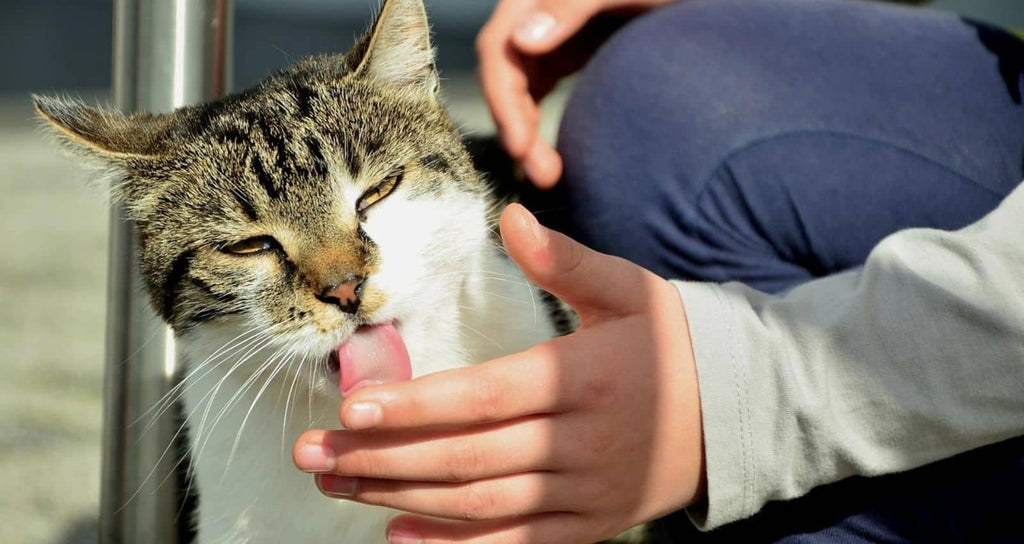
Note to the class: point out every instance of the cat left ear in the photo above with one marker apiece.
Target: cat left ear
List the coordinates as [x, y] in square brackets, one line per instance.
[101, 134]
[399, 49]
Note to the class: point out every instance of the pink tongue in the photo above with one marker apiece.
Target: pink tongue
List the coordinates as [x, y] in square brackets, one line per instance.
[372, 356]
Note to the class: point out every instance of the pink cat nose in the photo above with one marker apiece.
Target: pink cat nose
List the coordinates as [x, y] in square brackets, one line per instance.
[345, 294]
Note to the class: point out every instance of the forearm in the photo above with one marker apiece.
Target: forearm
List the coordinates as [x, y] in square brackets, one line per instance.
[914, 358]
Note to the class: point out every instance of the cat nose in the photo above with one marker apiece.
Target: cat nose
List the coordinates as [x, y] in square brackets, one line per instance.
[344, 294]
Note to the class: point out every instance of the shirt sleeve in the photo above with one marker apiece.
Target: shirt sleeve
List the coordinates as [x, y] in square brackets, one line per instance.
[915, 357]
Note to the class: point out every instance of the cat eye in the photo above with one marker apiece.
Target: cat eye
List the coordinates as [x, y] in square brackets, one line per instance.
[377, 193]
[252, 246]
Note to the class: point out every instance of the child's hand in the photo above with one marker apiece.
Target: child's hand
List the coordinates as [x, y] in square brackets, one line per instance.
[573, 440]
[525, 48]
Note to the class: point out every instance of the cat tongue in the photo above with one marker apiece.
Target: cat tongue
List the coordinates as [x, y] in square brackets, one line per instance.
[372, 356]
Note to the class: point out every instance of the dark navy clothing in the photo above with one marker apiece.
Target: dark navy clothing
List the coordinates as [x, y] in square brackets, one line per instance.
[775, 141]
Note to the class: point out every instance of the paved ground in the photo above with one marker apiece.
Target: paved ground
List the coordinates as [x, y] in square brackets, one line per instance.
[52, 269]
[52, 305]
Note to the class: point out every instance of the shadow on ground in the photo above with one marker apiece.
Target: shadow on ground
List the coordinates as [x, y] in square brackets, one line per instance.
[81, 531]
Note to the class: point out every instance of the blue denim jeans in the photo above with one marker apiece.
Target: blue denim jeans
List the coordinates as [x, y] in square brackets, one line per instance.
[775, 141]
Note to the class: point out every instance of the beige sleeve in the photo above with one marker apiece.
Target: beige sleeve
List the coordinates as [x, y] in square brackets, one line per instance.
[916, 357]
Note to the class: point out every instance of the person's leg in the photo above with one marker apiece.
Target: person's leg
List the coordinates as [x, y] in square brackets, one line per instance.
[774, 142]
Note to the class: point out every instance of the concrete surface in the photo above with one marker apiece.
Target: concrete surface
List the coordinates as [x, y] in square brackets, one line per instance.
[52, 297]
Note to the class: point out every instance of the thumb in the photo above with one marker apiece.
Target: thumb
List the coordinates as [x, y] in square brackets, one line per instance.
[551, 24]
[593, 283]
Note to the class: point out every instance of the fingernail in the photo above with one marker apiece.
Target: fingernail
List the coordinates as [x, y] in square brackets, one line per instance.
[314, 458]
[401, 536]
[363, 415]
[535, 27]
[539, 233]
[339, 487]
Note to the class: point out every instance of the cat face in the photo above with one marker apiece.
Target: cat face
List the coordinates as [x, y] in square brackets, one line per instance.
[335, 194]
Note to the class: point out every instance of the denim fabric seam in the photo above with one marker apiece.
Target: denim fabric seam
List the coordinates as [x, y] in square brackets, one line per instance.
[690, 214]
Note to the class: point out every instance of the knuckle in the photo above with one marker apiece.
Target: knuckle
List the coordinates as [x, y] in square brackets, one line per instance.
[388, 495]
[486, 401]
[362, 464]
[484, 40]
[463, 463]
[476, 505]
[596, 390]
[575, 258]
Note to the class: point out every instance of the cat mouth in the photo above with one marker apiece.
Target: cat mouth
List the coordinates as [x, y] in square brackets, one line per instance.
[372, 355]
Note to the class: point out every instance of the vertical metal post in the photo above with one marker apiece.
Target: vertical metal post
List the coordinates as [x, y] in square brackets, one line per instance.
[167, 54]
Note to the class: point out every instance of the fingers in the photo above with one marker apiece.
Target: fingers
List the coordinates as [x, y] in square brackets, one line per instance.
[594, 284]
[551, 23]
[549, 528]
[473, 395]
[542, 164]
[496, 498]
[521, 446]
[505, 82]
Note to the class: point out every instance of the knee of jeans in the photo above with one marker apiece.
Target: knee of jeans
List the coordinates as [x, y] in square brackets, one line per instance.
[660, 99]
[638, 127]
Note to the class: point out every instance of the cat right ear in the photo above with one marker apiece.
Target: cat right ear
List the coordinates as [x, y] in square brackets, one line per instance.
[98, 134]
[398, 49]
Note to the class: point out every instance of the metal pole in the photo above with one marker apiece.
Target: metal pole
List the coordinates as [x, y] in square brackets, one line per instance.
[167, 54]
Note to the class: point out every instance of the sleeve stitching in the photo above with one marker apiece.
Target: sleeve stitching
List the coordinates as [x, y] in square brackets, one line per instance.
[743, 406]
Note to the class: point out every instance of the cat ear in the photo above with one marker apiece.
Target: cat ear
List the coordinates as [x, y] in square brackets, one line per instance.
[398, 49]
[113, 145]
[100, 134]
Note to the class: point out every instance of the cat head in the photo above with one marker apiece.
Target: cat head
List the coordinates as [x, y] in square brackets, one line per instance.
[334, 194]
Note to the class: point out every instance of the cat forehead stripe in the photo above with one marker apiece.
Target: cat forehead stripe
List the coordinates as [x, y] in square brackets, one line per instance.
[277, 156]
[353, 159]
[247, 207]
[264, 177]
[304, 96]
[172, 282]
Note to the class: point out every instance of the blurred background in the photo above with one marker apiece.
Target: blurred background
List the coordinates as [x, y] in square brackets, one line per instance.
[53, 243]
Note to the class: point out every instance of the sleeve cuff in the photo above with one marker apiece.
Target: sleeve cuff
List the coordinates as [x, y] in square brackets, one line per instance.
[724, 383]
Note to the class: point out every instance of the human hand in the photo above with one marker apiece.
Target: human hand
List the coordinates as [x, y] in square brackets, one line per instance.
[525, 48]
[573, 440]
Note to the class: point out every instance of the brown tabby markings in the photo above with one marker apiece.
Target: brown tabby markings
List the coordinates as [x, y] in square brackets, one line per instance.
[264, 162]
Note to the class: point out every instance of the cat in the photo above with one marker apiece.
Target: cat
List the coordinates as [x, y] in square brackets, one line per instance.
[331, 206]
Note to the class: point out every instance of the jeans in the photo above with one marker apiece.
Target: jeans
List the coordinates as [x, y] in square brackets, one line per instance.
[775, 141]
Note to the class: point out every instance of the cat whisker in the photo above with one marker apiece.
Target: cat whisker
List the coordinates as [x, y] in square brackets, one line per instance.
[203, 433]
[163, 454]
[180, 388]
[227, 407]
[482, 335]
[286, 359]
[252, 351]
[288, 398]
[234, 398]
